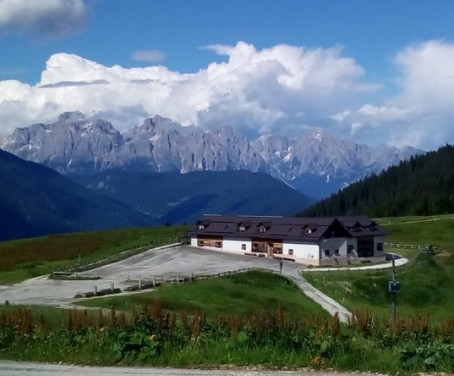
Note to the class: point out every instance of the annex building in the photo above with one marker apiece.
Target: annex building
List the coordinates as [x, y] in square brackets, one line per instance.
[312, 241]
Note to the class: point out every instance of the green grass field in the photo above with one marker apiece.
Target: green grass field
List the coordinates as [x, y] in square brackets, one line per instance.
[26, 258]
[426, 283]
[254, 292]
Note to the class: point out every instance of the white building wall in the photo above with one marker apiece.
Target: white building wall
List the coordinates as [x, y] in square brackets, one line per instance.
[331, 245]
[302, 250]
[194, 241]
[235, 245]
[379, 239]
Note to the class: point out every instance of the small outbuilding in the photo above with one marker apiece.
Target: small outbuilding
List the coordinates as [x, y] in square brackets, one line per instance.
[312, 241]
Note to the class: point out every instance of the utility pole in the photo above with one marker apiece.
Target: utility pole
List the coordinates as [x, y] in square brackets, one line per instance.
[394, 288]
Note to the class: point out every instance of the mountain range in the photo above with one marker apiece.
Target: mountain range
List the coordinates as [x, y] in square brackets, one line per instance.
[312, 162]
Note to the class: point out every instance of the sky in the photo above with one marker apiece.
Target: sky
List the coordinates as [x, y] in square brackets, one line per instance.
[375, 71]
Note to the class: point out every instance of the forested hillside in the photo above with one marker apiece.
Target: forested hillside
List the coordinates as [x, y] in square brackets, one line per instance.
[423, 185]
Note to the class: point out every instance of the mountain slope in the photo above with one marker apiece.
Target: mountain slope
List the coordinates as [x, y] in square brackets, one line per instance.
[313, 162]
[423, 185]
[35, 200]
[179, 198]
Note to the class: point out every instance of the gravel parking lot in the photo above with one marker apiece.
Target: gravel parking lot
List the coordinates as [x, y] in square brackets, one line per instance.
[170, 262]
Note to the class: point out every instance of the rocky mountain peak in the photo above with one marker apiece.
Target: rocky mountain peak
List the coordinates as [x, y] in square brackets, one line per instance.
[87, 145]
[71, 116]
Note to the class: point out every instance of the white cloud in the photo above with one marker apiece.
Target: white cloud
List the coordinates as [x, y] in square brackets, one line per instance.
[262, 90]
[42, 18]
[422, 113]
[149, 56]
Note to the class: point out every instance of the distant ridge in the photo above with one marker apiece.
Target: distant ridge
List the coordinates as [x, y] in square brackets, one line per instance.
[178, 198]
[36, 200]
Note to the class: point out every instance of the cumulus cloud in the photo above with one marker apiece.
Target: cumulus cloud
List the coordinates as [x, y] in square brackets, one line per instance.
[42, 18]
[422, 113]
[260, 90]
[149, 56]
[282, 89]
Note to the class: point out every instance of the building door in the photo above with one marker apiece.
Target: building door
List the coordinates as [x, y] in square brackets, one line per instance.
[365, 246]
[270, 249]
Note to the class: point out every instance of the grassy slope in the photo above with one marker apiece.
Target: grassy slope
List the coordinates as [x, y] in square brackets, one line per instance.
[245, 293]
[426, 284]
[25, 258]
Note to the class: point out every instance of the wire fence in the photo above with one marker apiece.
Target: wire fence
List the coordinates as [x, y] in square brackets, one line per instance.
[150, 282]
[420, 247]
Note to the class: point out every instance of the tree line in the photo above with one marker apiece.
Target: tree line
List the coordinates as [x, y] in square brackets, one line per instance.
[422, 185]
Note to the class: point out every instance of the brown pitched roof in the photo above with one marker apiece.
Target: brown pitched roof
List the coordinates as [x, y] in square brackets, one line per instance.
[297, 228]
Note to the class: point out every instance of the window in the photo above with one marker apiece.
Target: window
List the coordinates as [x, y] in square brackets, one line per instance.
[290, 252]
[327, 253]
[218, 244]
[201, 227]
[278, 250]
[379, 246]
[350, 248]
[242, 228]
[200, 243]
[336, 252]
[243, 247]
[262, 229]
[308, 231]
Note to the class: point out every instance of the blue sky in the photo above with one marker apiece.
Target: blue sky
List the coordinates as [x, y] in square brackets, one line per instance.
[376, 71]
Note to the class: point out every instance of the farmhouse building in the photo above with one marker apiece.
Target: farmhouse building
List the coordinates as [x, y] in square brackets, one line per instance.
[313, 241]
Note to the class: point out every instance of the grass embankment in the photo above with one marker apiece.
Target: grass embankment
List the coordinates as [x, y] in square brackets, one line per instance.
[255, 292]
[426, 284]
[26, 258]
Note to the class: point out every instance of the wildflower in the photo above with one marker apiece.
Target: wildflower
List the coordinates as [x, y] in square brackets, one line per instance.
[317, 360]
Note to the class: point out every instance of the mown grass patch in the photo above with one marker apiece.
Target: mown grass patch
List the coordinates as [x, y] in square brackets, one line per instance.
[26, 258]
[244, 293]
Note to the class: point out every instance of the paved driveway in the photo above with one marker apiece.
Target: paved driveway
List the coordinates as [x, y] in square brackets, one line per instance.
[173, 261]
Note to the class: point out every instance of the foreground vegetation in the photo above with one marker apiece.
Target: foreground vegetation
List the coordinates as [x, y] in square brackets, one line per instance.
[163, 331]
[26, 258]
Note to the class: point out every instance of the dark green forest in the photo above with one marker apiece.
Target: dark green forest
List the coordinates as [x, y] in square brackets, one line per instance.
[423, 185]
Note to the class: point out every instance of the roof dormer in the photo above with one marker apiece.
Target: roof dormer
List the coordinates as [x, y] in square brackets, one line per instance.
[309, 228]
[202, 224]
[264, 227]
[243, 226]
